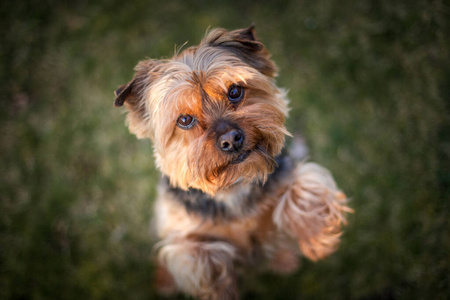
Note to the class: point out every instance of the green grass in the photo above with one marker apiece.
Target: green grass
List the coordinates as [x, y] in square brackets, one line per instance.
[369, 88]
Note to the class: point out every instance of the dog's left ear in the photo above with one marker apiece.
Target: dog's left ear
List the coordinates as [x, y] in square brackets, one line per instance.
[247, 34]
[243, 42]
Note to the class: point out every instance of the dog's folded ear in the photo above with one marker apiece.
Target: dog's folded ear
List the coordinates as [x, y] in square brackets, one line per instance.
[243, 43]
[122, 93]
[146, 72]
[133, 95]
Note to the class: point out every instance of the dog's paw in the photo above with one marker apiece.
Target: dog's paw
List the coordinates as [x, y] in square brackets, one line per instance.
[312, 210]
[200, 267]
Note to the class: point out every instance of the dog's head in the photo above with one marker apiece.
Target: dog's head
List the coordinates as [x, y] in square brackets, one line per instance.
[213, 111]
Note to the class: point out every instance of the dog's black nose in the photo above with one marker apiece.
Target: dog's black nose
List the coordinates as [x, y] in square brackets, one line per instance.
[231, 140]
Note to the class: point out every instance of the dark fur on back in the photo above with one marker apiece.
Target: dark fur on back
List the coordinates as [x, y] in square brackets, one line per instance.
[204, 205]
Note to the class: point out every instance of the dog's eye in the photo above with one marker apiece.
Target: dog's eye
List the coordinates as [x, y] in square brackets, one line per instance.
[185, 121]
[235, 93]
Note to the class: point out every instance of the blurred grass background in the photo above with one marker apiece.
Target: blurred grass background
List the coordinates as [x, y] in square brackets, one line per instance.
[370, 91]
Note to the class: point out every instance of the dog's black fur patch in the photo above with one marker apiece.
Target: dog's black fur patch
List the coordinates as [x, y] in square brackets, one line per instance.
[197, 202]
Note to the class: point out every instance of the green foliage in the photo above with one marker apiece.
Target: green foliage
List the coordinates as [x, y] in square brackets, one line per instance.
[370, 92]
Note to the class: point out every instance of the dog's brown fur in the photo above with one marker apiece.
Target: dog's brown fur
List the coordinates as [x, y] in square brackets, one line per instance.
[218, 209]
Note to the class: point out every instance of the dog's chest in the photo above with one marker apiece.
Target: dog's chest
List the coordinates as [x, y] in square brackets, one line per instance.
[185, 214]
[242, 215]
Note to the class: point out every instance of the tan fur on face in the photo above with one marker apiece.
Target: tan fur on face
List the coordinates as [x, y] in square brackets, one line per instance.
[196, 83]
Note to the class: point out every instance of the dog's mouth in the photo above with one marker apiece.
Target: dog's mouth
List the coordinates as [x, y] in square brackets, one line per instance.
[241, 158]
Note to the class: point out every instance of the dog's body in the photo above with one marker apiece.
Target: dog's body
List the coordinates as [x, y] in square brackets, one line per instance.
[228, 197]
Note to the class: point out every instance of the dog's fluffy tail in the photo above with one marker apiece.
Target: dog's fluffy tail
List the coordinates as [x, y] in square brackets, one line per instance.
[312, 210]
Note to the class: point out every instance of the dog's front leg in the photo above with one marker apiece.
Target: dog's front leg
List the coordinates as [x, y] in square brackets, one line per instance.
[311, 209]
[200, 266]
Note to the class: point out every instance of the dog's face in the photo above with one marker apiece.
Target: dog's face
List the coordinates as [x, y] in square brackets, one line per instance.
[214, 114]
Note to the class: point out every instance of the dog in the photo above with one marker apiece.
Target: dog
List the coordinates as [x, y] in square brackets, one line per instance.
[230, 198]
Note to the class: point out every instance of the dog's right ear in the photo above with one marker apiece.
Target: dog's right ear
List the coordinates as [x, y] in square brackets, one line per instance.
[122, 93]
[133, 96]
[146, 72]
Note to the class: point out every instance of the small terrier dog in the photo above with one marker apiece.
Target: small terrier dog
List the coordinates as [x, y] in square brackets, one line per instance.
[229, 197]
